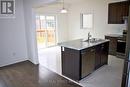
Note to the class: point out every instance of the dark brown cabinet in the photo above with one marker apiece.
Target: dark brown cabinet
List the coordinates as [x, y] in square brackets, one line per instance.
[77, 64]
[117, 45]
[101, 55]
[70, 63]
[117, 11]
[104, 53]
[112, 44]
[98, 57]
[88, 61]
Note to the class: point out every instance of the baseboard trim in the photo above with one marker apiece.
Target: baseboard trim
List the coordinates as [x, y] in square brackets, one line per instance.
[10, 64]
[34, 62]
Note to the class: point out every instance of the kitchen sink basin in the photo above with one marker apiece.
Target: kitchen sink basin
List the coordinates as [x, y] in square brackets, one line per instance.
[93, 40]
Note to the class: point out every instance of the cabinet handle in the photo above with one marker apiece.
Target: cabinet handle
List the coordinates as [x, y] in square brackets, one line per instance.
[92, 50]
[128, 67]
[102, 48]
[83, 53]
[102, 45]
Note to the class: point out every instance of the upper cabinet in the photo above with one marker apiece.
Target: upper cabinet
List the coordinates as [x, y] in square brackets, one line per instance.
[117, 12]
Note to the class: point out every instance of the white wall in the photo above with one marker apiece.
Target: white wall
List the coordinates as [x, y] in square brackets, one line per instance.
[13, 46]
[100, 10]
[63, 34]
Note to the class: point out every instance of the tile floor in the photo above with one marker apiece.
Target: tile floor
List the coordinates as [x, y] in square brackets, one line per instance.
[107, 76]
[50, 58]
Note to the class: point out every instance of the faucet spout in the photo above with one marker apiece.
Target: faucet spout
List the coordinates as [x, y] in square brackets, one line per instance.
[89, 36]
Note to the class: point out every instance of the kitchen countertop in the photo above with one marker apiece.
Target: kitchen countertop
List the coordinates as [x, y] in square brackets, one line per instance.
[114, 35]
[79, 44]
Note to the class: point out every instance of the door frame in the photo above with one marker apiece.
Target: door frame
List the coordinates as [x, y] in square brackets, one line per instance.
[55, 33]
[35, 59]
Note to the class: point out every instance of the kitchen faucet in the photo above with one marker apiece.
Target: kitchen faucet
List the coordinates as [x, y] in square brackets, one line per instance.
[89, 36]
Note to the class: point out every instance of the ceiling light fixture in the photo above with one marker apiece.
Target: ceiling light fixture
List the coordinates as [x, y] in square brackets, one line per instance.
[63, 10]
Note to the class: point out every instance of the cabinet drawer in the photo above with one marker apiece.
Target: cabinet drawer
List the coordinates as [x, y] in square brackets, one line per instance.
[92, 49]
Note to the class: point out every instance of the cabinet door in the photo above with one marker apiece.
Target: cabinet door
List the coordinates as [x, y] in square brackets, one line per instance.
[112, 45]
[122, 11]
[70, 63]
[112, 16]
[88, 61]
[104, 53]
[117, 12]
[125, 7]
[98, 57]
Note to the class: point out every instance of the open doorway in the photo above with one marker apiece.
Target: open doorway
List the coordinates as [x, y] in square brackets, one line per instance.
[48, 51]
[46, 31]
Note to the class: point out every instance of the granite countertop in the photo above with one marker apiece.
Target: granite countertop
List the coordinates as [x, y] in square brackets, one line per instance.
[79, 44]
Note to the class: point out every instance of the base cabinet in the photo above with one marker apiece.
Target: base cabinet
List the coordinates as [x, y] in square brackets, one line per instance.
[88, 61]
[101, 55]
[77, 64]
[104, 53]
[71, 63]
[112, 45]
[98, 57]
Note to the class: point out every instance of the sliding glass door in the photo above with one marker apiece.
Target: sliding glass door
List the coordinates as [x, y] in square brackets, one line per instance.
[46, 30]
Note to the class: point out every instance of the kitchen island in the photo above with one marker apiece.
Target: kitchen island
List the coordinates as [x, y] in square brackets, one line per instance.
[82, 57]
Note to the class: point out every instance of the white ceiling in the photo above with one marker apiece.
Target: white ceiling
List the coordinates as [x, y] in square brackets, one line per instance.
[54, 2]
[70, 1]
